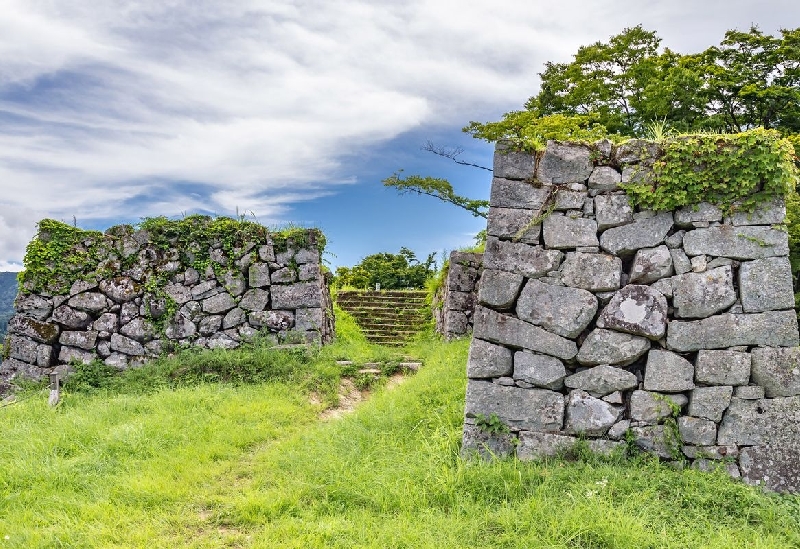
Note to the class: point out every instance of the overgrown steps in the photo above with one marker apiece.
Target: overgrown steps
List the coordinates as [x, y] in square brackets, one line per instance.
[389, 317]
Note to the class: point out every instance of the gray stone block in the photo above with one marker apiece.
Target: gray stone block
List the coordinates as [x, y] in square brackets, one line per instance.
[34, 306]
[697, 431]
[69, 355]
[534, 445]
[220, 303]
[774, 329]
[587, 415]
[642, 233]
[542, 371]
[295, 296]
[609, 347]
[604, 178]
[602, 380]
[771, 212]
[593, 272]
[710, 402]
[766, 285]
[680, 261]
[284, 275]
[254, 300]
[43, 332]
[487, 446]
[773, 467]
[635, 151]
[91, 302]
[233, 318]
[488, 360]
[524, 259]
[562, 232]
[668, 372]
[277, 321]
[511, 164]
[737, 242]
[699, 295]
[720, 367]
[749, 392]
[657, 440]
[70, 318]
[567, 199]
[744, 423]
[139, 329]
[499, 289]
[520, 409]
[564, 163]
[121, 289]
[618, 430]
[638, 310]
[651, 264]
[126, 345]
[513, 223]
[508, 330]
[687, 216]
[612, 210]
[179, 293]
[507, 193]
[777, 370]
[561, 310]
[663, 286]
[209, 325]
[258, 275]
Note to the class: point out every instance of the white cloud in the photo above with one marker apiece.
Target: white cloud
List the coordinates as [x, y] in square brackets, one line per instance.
[109, 103]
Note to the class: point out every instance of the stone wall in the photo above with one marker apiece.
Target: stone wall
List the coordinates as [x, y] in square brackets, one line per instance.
[152, 300]
[674, 330]
[454, 303]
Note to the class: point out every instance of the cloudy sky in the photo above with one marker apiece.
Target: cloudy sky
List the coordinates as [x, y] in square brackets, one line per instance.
[286, 111]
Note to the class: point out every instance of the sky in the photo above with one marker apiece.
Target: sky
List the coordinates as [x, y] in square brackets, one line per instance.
[287, 112]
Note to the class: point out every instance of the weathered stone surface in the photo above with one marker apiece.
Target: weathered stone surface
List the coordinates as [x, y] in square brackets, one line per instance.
[21, 348]
[749, 392]
[121, 289]
[209, 325]
[508, 330]
[680, 261]
[511, 164]
[179, 293]
[609, 347]
[488, 360]
[635, 151]
[126, 345]
[220, 303]
[777, 370]
[34, 306]
[722, 368]
[766, 285]
[524, 409]
[562, 310]
[308, 271]
[642, 233]
[302, 294]
[485, 445]
[710, 402]
[539, 370]
[274, 320]
[139, 329]
[736, 242]
[563, 232]
[648, 407]
[651, 264]
[524, 259]
[69, 355]
[535, 445]
[180, 328]
[285, 275]
[221, 341]
[668, 372]
[70, 318]
[309, 319]
[43, 332]
[704, 213]
[604, 178]
[499, 289]
[234, 283]
[771, 212]
[593, 272]
[774, 467]
[86, 339]
[117, 360]
[307, 256]
[774, 329]
[464, 271]
[588, 415]
[663, 286]
[657, 440]
[91, 302]
[564, 163]
[516, 194]
[513, 223]
[744, 423]
[255, 300]
[637, 310]
[612, 210]
[456, 323]
[570, 199]
[697, 431]
[234, 318]
[710, 452]
[602, 380]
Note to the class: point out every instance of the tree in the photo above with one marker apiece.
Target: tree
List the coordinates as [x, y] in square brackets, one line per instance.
[392, 271]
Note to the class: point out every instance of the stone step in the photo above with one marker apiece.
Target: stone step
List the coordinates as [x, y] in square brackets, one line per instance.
[386, 317]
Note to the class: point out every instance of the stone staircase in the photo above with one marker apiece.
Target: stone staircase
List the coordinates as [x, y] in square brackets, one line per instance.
[388, 317]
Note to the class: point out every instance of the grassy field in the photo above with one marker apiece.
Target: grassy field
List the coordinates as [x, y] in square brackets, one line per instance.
[226, 450]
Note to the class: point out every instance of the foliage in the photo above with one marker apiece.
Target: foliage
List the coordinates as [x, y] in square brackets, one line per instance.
[392, 271]
[437, 188]
[492, 424]
[710, 167]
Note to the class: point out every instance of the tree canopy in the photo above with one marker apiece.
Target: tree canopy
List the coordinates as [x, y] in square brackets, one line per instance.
[392, 271]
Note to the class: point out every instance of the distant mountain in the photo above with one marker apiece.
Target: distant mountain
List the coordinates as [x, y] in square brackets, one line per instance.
[8, 292]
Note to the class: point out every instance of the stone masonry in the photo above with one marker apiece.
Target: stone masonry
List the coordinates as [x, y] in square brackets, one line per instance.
[279, 293]
[454, 304]
[674, 330]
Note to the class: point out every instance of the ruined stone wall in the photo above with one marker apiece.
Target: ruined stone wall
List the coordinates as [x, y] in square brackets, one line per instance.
[675, 330]
[138, 299]
[454, 304]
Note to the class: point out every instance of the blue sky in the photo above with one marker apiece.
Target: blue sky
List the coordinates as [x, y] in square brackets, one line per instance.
[288, 112]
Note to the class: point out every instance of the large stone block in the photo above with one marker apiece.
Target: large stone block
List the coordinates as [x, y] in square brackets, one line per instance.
[773, 329]
[744, 423]
[513, 223]
[220, 303]
[91, 302]
[126, 345]
[771, 212]
[302, 294]
[310, 319]
[710, 402]
[648, 407]
[43, 332]
[667, 372]
[521, 258]
[507, 193]
[722, 367]
[562, 310]
[520, 409]
[604, 178]
[657, 440]
[564, 163]
[34, 306]
[588, 415]
[485, 444]
[70, 318]
[571, 199]
[697, 431]
[139, 329]
[638, 310]
[533, 445]
[542, 371]
[511, 164]
[593, 272]
[508, 330]
[499, 289]
[69, 355]
[703, 212]
[276, 321]
[255, 299]
[777, 370]
[642, 233]
[488, 360]
[602, 380]
[609, 347]
[766, 285]
[612, 210]
[651, 264]
[258, 275]
[563, 232]
[737, 242]
[121, 289]
[83, 340]
[773, 466]
[699, 295]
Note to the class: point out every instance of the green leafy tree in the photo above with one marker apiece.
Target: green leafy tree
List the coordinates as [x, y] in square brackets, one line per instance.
[392, 271]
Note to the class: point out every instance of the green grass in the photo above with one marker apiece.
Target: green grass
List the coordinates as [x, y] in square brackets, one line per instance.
[188, 462]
